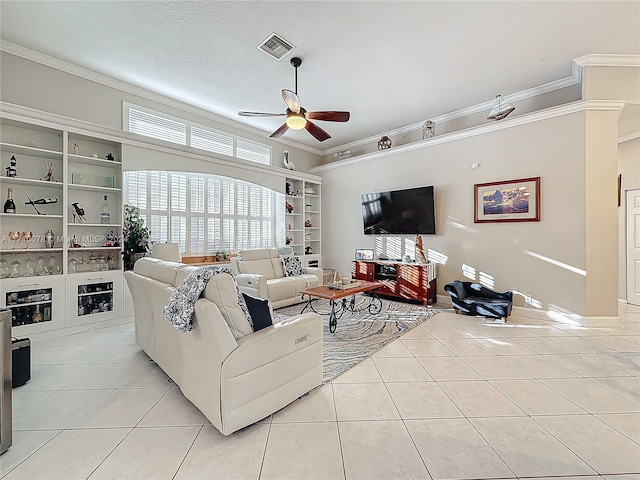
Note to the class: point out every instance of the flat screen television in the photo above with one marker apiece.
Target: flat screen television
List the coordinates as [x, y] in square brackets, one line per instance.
[409, 211]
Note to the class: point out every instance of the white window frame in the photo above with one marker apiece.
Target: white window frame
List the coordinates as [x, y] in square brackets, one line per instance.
[126, 107]
[267, 205]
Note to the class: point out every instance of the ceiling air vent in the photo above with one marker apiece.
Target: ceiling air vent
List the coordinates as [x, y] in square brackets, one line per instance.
[276, 46]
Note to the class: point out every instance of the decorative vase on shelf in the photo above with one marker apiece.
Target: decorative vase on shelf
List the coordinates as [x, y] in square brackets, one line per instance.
[49, 239]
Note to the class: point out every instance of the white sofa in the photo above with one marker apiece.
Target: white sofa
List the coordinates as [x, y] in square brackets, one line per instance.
[234, 376]
[259, 272]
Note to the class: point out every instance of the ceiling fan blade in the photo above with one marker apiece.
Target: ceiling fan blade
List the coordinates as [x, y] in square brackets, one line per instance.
[292, 100]
[316, 131]
[260, 114]
[279, 132]
[329, 116]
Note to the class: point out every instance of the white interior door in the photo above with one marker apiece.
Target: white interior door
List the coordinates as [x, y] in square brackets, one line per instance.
[633, 247]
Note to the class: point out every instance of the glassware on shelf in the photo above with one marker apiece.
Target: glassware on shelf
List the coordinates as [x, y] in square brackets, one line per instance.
[40, 267]
[27, 236]
[51, 265]
[111, 262]
[102, 262]
[4, 269]
[16, 269]
[28, 268]
[73, 265]
[14, 236]
[93, 262]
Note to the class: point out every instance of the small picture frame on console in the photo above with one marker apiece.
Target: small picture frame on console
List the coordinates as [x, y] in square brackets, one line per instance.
[364, 254]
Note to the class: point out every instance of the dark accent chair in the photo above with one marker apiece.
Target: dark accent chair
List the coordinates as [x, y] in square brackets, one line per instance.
[473, 299]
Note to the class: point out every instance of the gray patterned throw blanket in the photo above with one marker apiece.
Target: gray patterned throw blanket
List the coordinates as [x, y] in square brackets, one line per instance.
[181, 305]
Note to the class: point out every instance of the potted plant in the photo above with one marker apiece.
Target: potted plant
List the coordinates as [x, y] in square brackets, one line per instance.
[135, 237]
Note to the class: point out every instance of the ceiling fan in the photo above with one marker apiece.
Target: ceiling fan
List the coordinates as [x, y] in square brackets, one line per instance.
[297, 117]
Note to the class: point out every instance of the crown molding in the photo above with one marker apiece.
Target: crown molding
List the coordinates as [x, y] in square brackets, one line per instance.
[569, 108]
[576, 77]
[108, 81]
[608, 60]
[631, 136]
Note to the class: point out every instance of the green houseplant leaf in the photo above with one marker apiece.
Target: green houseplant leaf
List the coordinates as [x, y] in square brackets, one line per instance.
[135, 236]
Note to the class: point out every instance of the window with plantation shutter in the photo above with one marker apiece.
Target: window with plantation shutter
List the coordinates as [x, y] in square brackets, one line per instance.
[159, 188]
[242, 229]
[157, 126]
[243, 200]
[228, 198]
[204, 213]
[254, 152]
[214, 198]
[255, 234]
[197, 246]
[159, 228]
[197, 194]
[137, 192]
[179, 192]
[213, 235]
[267, 228]
[254, 201]
[179, 232]
[162, 126]
[211, 141]
[228, 234]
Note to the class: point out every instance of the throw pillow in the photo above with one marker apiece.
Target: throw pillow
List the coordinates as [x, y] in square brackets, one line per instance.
[292, 266]
[260, 311]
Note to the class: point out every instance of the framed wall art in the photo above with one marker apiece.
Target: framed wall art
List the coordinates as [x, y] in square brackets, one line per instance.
[507, 201]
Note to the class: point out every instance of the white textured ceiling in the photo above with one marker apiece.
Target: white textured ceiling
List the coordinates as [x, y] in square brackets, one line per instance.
[389, 63]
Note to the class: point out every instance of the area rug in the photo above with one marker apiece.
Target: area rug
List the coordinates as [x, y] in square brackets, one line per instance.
[360, 335]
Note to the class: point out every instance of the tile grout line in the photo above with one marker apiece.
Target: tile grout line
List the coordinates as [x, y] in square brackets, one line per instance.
[335, 411]
[123, 438]
[400, 415]
[186, 454]
[59, 430]
[264, 451]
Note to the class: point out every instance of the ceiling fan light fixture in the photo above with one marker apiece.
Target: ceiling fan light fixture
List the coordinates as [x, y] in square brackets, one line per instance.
[296, 121]
[501, 109]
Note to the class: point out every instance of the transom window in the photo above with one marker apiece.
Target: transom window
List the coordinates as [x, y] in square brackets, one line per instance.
[201, 212]
[166, 127]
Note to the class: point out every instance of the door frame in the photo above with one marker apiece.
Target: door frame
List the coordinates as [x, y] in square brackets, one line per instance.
[627, 243]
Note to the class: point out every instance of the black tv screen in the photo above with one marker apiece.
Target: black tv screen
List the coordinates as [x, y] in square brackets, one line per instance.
[409, 211]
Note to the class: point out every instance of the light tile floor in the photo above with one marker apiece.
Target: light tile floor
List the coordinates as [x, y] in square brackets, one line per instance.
[452, 399]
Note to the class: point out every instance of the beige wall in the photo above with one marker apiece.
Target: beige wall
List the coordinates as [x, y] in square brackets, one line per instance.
[611, 83]
[543, 259]
[601, 214]
[629, 167]
[31, 84]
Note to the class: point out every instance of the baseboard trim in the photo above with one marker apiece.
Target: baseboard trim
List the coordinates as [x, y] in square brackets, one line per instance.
[537, 314]
[62, 332]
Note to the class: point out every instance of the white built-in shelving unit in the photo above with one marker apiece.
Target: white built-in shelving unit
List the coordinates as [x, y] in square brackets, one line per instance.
[302, 219]
[52, 288]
